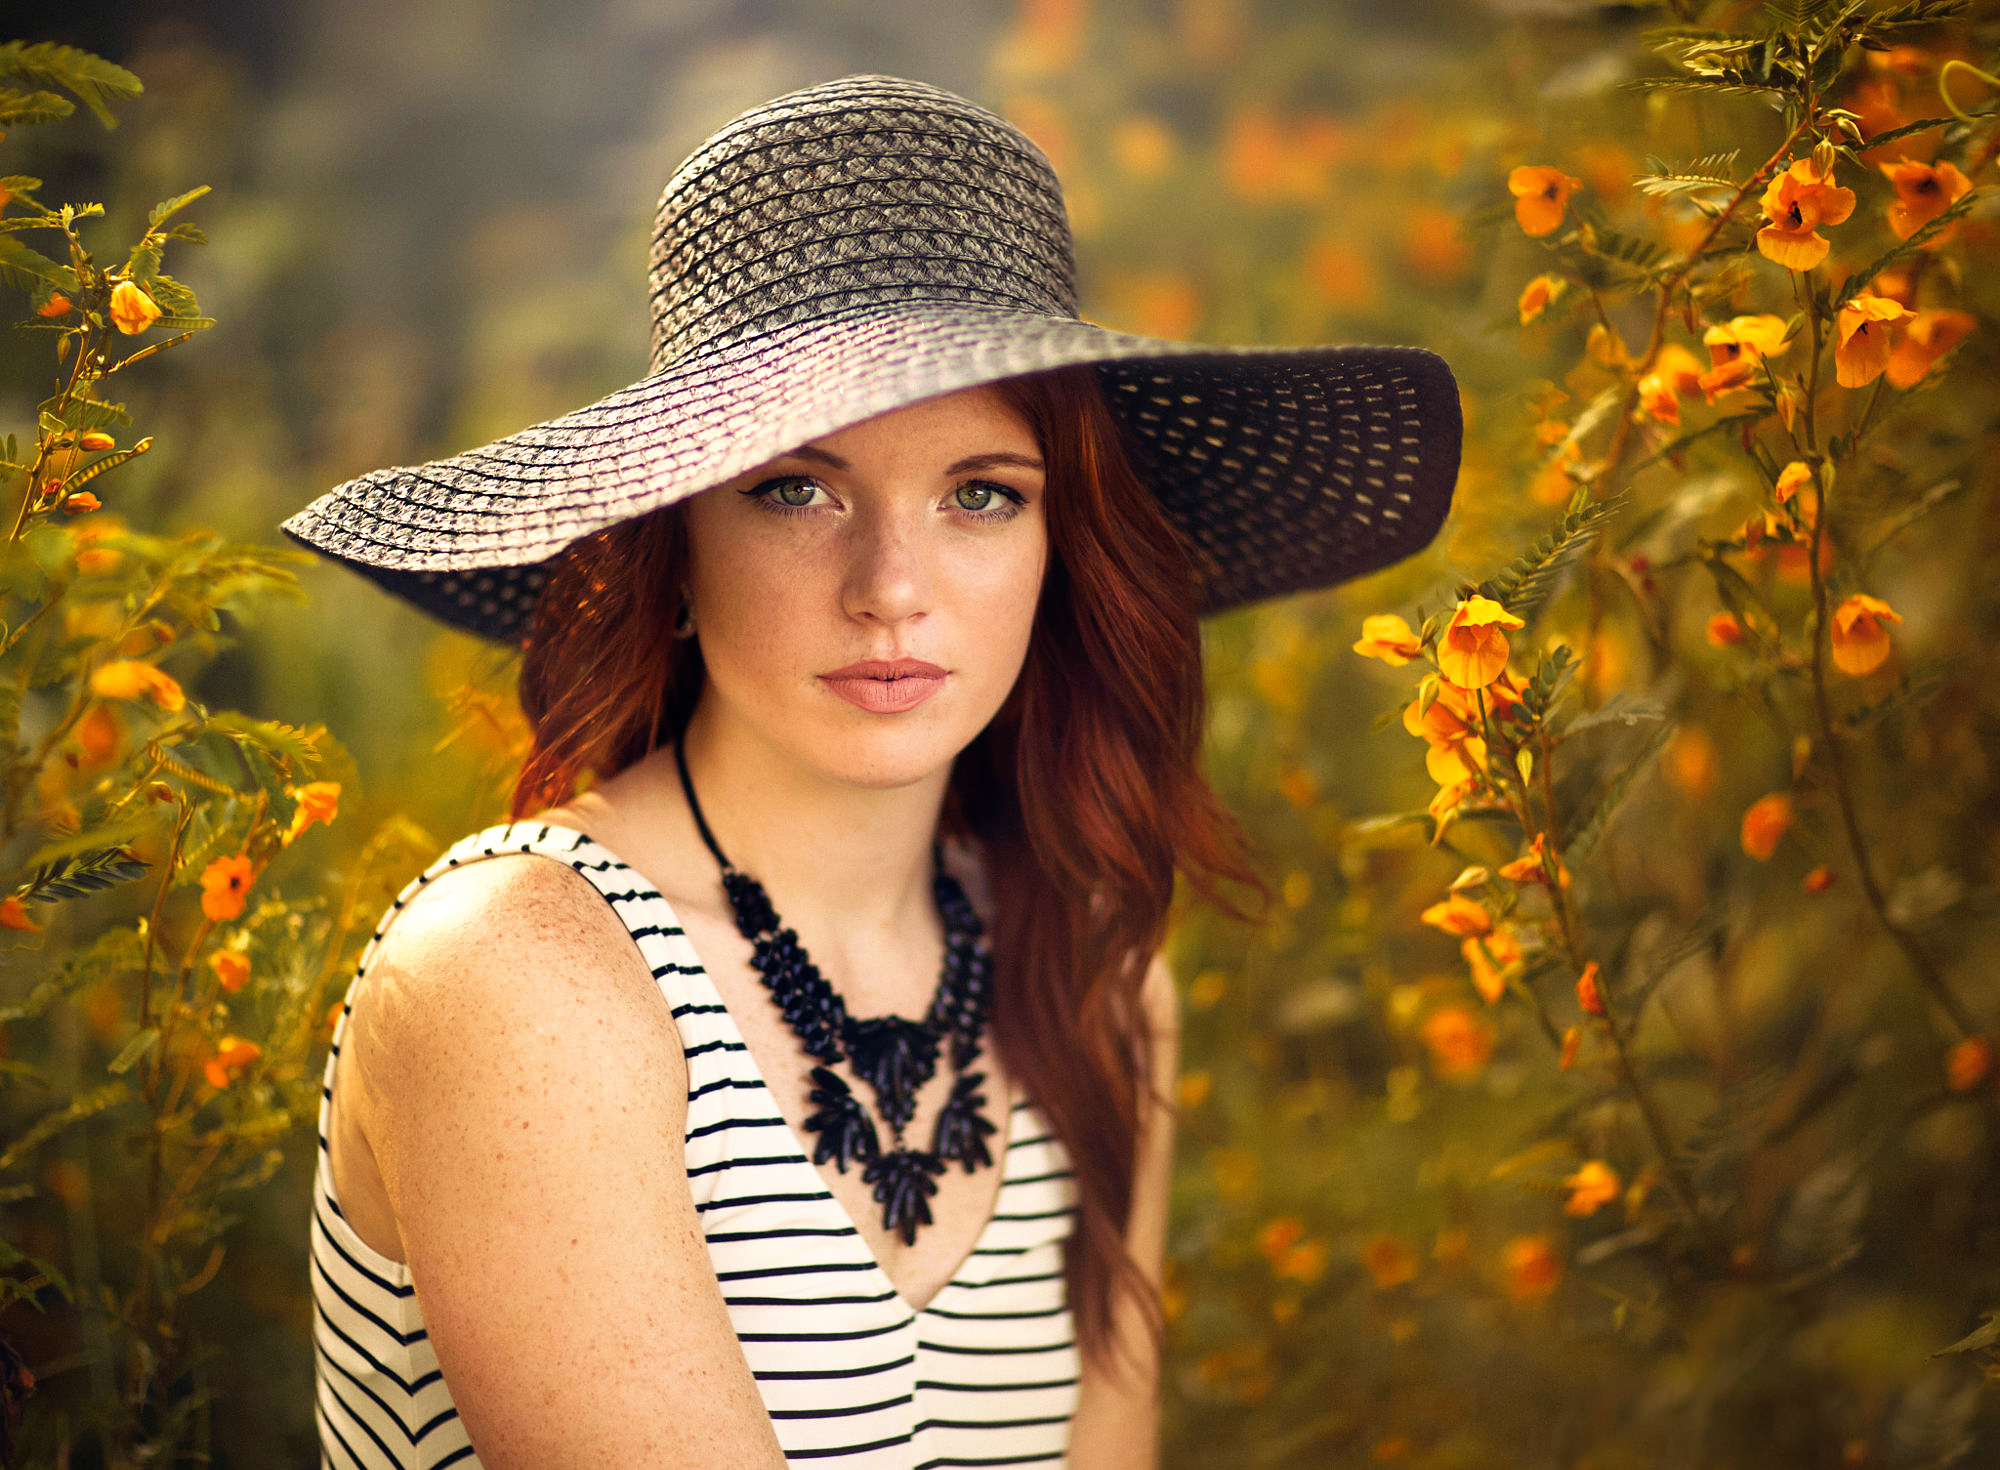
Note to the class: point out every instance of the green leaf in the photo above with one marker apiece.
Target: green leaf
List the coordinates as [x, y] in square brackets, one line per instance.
[1523, 585]
[1851, 287]
[1622, 708]
[24, 267]
[166, 207]
[25, 109]
[134, 1049]
[1979, 1337]
[1576, 848]
[92, 79]
[83, 1105]
[74, 876]
[1741, 598]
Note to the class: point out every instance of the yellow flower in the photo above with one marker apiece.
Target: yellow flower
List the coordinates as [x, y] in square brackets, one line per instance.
[1923, 192]
[1676, 371]
[1591, 1188]
[1528, 868]
[80, 502]
[1926, 336]
[319, 801]
[1388, 637]
[1863, 351]
[129, 678]
[1860, 642]
[1458, 915]
[1792, 478]
[1765, 823]
[225, 884]
[132, 310]
[1490, 956]
[1538, 293]
[1541, 195]
[1473, 651]
[1459, 1041]
[1797, 202]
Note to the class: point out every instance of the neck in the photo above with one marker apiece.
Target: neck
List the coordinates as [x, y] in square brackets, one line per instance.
[835, 857]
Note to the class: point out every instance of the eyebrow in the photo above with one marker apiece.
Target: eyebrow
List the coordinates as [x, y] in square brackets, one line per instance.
[970, 462]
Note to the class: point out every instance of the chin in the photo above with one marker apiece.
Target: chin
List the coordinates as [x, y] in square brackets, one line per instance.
[884, 752]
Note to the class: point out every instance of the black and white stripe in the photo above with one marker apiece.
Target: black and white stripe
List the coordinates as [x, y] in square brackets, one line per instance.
[985, 1374]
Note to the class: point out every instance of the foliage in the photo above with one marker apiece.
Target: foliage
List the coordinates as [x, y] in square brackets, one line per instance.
[170, 996]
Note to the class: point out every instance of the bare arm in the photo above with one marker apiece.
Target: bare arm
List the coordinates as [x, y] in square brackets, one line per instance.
[1116, 1425]
[526, 1102]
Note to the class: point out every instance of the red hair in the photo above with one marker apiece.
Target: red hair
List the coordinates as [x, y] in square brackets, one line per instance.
[1084, 794]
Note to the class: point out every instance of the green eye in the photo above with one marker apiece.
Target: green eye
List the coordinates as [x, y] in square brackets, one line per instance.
[795, 492]
[974, 497]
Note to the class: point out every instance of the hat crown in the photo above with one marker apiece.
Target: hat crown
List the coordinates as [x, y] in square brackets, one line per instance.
[847, 198]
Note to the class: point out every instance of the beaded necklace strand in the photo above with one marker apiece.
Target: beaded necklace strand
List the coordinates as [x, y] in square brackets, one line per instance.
[894, 1056]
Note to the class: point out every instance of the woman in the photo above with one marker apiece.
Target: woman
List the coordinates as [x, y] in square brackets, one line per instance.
[831, 1128]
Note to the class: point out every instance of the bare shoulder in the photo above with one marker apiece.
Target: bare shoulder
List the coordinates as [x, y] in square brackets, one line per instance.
[527, 1106]
[1160, 997]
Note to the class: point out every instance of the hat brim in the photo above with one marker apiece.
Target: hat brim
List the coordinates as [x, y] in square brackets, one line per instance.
[1288, 467]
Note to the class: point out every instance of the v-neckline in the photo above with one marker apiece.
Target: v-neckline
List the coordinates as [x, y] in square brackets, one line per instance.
[800, 1154]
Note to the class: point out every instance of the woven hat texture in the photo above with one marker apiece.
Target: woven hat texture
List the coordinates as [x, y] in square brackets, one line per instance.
[859, 245]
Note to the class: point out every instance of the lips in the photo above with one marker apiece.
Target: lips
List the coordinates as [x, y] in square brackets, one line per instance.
[886, 686]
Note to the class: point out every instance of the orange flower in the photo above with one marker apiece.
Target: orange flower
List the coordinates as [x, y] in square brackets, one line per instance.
[1926, 336]
[1724, 631]
[224, 885]
[1797, 202]
[1745, 336]
[1279, 1236]
[1923, 192]
[232, 969]
[98, 561]
[1460, 1042]
[1860, 642]
[1818, 880]
[1529, 867]
[1473, 651]
[1458, 915]
[1765, 823]
[1538, 293]
[56, 305]
[129, 678]
[1388, 637]
[1389, 1260]
[1490, 956]
[1587, 993]
[1532, 1267]
[132, 310]
[1863, 352]
[80, 502]
[1305, 1261]
[14, 915]
[1541, 195]
[1676, 371]
[232, 1055]
[1591, 1188]
[97, 734]
[1968, 1064]
[1572, 1039]
[319, 801]
[1454, 753]
[1791, 479]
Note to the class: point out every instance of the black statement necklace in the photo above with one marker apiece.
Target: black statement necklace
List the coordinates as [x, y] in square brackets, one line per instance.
[896, 1057]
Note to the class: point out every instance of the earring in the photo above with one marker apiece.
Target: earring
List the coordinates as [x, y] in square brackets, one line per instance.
[684, 621]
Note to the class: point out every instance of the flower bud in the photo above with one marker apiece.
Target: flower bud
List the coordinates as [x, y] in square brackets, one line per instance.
[97, 439]
[1823, 157]
[80, 502]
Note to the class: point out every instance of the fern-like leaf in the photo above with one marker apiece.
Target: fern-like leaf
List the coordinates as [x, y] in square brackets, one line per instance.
[1593, 827]
[72, 877]
[1522, 586]
[94, 81]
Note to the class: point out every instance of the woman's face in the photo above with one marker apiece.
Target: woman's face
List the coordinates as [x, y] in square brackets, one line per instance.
[864, 603]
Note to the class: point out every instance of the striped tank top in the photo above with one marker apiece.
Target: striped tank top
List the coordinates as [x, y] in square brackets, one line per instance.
[984, 1374]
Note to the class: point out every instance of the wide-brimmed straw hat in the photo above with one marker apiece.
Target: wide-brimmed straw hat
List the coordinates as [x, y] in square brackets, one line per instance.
[856, 246]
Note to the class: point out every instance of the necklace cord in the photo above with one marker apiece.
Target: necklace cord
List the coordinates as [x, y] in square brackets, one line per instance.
[701, 822]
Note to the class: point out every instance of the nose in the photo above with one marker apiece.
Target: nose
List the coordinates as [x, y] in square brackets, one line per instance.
[889, 578]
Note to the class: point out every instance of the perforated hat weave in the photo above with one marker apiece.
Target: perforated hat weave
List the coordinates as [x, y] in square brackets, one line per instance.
[859, 245]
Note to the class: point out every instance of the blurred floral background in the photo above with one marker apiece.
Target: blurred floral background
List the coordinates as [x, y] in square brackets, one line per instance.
[1613, 1083]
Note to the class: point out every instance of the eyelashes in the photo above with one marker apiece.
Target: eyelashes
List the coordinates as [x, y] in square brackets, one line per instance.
[997, 502]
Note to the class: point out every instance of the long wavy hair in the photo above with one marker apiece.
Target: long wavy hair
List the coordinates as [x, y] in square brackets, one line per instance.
[1084, 794]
